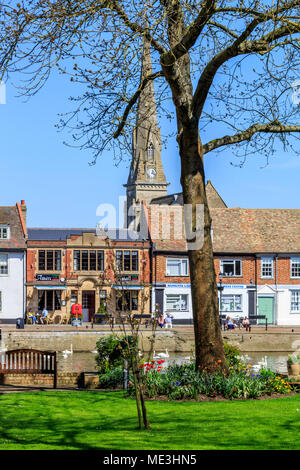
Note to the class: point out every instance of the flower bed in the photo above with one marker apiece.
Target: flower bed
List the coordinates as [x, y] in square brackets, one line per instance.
[179, 382]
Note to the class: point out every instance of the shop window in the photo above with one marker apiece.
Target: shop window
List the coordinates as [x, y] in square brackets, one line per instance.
[231, 303]
[88, 260]
[49, 260]
[127, 300]
[49, 299]
[178, 302]
[231, 267]
[3, 264]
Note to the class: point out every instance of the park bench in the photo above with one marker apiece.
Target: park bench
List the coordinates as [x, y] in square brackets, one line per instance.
[29, 361]
[258, 317]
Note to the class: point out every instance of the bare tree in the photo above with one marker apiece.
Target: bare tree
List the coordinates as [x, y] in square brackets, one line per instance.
[228, 61]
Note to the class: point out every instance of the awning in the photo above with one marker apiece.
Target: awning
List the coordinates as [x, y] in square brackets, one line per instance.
[130, 287]
[50, 287]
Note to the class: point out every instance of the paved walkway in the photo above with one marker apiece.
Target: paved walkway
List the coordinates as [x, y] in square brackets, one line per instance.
[180, 328]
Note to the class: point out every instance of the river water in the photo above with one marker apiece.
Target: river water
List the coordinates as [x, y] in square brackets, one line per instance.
[85, 361]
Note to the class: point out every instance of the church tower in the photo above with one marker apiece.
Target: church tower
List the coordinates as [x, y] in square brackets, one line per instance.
[146, 179]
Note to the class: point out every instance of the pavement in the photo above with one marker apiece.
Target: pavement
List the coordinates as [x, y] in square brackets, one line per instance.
[180, 328]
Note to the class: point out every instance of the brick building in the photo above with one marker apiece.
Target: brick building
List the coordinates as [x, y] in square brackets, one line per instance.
[257, 251]
[103, 273]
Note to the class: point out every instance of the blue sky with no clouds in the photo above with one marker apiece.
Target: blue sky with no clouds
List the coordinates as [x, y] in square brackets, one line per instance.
[61, 189]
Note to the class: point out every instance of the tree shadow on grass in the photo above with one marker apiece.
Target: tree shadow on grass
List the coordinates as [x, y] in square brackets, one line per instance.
[106, 421]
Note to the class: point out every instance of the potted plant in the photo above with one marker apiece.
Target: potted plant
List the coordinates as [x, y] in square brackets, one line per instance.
[293, 364]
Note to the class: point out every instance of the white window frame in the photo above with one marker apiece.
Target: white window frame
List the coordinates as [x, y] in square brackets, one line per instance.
[179, 309]
[181, 262]
[267, 260]
[293, 292]
[295, 260]
[233, 261]
[6, 255]
[2, 228]
[234, 303]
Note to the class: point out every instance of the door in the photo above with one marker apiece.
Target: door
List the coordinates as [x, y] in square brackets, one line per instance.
[266, 307]
[88, 305]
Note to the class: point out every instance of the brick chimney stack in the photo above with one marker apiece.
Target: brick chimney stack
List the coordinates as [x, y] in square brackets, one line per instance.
[24, 210]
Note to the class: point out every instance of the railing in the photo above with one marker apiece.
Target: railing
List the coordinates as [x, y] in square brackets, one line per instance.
[29, 361]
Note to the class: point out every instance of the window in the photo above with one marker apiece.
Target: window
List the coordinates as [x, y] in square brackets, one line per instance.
[127, 300]
[295, 267]
[49, 299]
[295, 301]
[4, 232]
[3, 264]
[178, 302]
[267, 267]
[88, 260]
[151, 152]
[177, 267]
[49, 260]
[231, 303]
[127, 260]
[231, 267]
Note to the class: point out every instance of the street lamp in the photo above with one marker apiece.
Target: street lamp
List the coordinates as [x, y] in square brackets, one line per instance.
[220, 289]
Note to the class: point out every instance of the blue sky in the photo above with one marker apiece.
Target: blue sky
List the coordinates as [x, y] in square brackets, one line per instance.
[61, 189]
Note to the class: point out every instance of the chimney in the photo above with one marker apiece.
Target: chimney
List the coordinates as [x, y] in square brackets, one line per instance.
[24, 210]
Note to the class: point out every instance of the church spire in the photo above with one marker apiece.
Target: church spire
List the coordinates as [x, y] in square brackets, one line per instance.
[146, 178]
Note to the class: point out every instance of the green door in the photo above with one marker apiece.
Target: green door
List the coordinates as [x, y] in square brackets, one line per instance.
[266, 307]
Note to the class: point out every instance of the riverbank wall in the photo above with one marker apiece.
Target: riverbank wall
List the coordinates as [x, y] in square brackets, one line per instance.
[175, 340]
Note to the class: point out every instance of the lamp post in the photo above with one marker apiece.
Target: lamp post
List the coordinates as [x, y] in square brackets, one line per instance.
[221, 289]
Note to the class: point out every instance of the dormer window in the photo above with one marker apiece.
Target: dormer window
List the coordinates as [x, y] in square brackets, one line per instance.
[151, 152]
[4, 232]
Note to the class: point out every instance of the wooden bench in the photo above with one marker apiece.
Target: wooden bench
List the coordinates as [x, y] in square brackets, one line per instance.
[29, 361]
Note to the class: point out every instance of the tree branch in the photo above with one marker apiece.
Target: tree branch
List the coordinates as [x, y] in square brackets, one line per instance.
[275, 127]
[133, 100]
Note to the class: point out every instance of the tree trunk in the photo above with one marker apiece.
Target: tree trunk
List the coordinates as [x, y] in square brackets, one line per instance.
[209, 349]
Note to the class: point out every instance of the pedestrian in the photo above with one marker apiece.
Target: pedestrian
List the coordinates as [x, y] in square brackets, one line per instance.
[168, 321]
[160, 320]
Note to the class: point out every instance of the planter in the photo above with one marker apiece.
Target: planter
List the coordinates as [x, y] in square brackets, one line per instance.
[76, 322]
[293, 369]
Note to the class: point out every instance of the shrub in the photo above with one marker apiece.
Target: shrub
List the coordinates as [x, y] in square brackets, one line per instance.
[112, 350]
[232, 354]
[113, 378]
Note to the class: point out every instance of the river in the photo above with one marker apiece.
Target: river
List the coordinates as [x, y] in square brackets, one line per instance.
[85, 361]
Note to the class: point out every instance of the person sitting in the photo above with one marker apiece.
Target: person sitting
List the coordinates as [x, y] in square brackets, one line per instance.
[161, 320]
[44, 315]
[168, 321]
[31, 316]
[229, 324]
[246, 323]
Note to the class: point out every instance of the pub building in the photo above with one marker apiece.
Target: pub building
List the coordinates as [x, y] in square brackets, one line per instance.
[106, 274]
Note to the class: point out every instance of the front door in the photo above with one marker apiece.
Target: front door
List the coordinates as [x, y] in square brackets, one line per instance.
[266, 307]
[88, 305]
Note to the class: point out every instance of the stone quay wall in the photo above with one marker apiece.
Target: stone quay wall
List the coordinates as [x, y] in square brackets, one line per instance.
[173, 340]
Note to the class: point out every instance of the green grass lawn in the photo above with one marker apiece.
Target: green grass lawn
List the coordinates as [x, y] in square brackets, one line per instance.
[106, 420]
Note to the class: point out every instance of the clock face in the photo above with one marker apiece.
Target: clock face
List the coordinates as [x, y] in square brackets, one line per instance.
[151, 173]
